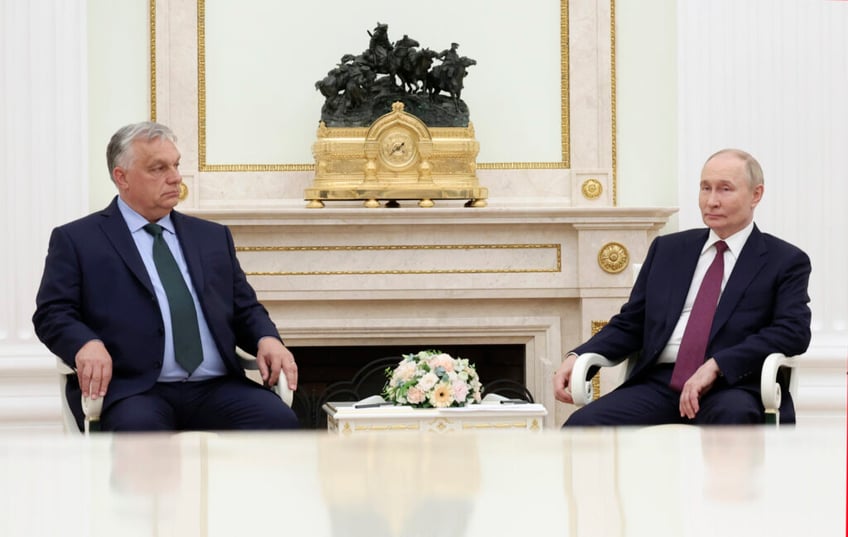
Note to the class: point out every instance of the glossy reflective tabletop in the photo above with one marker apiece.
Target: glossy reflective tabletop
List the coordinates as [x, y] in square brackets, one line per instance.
[676, 481]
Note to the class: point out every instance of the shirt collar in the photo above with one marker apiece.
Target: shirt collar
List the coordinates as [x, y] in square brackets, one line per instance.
[136, 222]
[734, 242]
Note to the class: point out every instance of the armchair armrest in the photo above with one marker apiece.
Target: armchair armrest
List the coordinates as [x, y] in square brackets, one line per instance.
[582, 390]
[769, 386]
[91, 408]
[248, 361]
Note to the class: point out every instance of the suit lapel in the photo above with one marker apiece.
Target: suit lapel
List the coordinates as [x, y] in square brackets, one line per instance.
[115, 228]
[190, 248]
[679, 277]
[749, 264]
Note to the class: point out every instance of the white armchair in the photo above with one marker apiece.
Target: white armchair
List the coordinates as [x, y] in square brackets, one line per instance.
[248, 362]
[92, 409]
[583, 390]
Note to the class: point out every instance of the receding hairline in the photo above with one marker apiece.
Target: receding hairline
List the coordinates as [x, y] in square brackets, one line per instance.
[120, 145]
[752, 166]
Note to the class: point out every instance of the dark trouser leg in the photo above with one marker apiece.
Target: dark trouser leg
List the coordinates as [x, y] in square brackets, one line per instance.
[648, 401]
[235, 403]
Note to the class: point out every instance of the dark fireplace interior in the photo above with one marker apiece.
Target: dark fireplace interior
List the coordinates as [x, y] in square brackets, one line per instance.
[325, 373]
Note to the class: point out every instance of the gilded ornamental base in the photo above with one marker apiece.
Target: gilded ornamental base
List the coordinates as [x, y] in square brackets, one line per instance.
[397, 158]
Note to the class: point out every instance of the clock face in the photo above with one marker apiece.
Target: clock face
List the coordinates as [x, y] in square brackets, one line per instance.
[397, 148]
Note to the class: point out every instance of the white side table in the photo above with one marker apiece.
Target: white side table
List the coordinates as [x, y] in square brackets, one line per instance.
[344, 419]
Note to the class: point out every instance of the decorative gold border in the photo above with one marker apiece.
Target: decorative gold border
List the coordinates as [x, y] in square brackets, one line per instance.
[613, 93]
[359, 248]
[564, 84]
[565, 118]
[496, 425]
[597, 325]
[152, 21]
[398, 427]
[596, 380]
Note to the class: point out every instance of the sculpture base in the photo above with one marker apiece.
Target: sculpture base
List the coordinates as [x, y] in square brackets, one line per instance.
[397, 158]
[476, 197]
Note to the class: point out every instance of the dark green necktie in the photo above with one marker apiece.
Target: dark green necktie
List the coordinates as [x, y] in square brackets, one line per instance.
[187, 349]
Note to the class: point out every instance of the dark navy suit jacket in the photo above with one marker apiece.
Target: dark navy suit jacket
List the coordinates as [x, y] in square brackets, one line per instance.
[763, 308]
[95, 286]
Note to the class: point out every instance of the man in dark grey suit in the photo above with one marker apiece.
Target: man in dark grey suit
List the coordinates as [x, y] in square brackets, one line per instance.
[106, 309]
[763, 308]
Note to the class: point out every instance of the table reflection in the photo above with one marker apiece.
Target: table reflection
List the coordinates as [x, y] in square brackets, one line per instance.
[681, 481]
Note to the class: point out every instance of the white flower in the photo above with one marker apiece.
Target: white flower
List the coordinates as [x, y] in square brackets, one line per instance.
[427, 382]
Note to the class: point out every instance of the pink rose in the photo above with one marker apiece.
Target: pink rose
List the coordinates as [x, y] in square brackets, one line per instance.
[460, 391]
[415, 396]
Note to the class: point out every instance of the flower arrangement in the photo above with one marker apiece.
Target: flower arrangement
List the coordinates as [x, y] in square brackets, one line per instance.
[432, 379]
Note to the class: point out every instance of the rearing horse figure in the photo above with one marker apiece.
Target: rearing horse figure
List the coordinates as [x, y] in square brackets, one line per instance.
[448, 77]
[414, 69]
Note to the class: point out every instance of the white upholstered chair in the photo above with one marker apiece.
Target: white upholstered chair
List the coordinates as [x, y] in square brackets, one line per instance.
[584, 392]
[92, 408]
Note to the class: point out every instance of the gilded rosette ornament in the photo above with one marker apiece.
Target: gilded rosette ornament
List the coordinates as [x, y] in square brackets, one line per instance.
[592, 189]
[613, 257]
[397, 158]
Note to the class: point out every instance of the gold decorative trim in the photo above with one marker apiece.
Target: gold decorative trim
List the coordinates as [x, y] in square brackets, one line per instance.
[565, 118]
[254, 167]
[439, 425]
[597, 325]
[201, 90]
[359, 248]
[564, 85]
[613, 257]
[398, 427]
[183, 192]
[508, 425]
[152, 31]
[592, 189]
[596, 380]
[613, 93]
[522, 166]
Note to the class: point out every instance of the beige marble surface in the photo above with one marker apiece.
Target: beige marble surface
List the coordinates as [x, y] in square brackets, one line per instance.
[525, 275]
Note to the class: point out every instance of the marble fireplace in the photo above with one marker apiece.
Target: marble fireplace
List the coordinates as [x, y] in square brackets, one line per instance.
[537, 277]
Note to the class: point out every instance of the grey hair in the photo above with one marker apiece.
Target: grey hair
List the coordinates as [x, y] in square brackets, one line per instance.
[755, 171]
[119, 151]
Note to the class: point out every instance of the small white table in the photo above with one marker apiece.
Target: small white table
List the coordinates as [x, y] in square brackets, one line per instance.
[344, 419]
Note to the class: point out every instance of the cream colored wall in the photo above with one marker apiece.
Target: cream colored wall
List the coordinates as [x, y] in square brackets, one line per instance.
[646, 104]
[119, 88]
[118, 81]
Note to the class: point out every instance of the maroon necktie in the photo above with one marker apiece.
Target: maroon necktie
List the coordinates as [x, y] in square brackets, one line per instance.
[693, 345]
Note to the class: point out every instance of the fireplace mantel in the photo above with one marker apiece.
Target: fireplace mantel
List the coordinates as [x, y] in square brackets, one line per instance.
[354, 276]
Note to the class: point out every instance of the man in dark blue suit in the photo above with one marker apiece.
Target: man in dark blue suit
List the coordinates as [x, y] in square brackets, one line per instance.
[103, 308]
[763, 308]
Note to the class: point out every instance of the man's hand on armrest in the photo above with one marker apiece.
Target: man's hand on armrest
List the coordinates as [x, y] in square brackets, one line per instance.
[94, 369]
[562, 379]
[273, 357]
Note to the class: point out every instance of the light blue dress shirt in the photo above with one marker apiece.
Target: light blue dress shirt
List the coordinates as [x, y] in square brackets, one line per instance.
[212, 365]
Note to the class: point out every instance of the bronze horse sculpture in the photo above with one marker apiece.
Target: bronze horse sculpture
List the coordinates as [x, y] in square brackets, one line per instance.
[448, 77]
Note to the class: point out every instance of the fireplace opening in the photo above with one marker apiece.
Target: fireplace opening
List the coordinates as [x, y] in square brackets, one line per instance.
[320, 368]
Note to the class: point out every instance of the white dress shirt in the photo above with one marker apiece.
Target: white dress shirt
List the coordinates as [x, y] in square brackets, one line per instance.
[734, 248]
